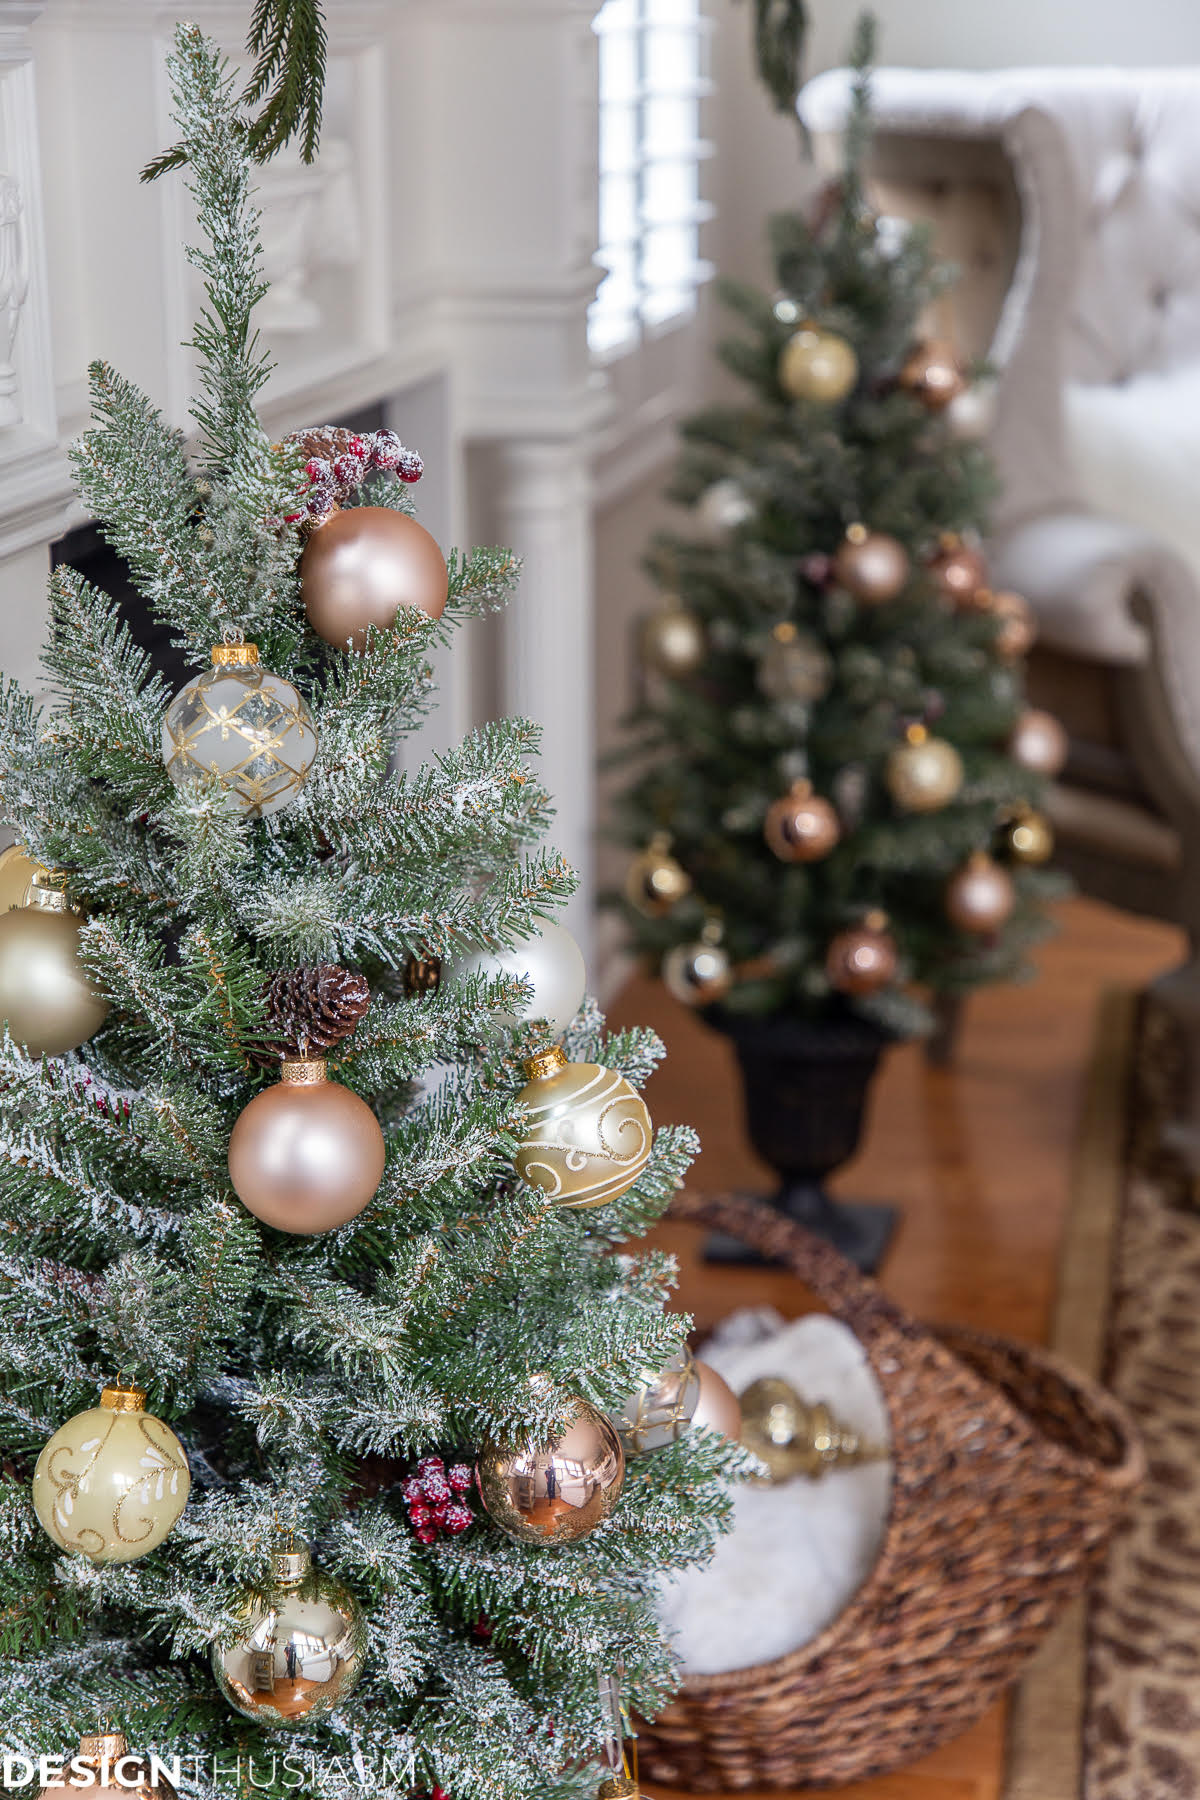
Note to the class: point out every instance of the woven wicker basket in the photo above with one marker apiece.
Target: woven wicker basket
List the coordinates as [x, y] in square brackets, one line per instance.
[1009, 1474]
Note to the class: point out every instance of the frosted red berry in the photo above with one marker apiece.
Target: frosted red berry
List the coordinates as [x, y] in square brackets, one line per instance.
[419, 1515]
[460, 1477]
[458, 1517]
[427, 1534]
[430, 1462]
[412, 1489]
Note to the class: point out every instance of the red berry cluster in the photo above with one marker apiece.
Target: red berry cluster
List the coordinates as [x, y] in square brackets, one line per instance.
[332, 479]
[434, 1499]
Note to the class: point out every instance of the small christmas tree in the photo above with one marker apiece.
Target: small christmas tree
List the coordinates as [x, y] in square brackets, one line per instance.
[838, 778]
[319, 1301]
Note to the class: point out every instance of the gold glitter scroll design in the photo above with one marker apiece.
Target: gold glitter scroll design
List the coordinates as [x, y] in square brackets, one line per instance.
[586, 1148]
[161, 1472]
[246, 728]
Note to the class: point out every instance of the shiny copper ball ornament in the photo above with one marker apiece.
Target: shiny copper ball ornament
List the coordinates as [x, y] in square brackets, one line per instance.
[1029, 838]
[817, 365]
[981, 896]
[17, 871]
[794, 666]
[307, 1154]
[114, 1770]
[801, 826]
[46, 995]
[672, 641]
[923, 773]
[718, 1408]
[1039, 743]
[958, 572]
[871, 565]
[655, 882]
[699, 973]
[300, 1651]
[587, 1135]
[932, 374]
[1017, 631]
[863, 958]
[362, 566]
[554, 1493]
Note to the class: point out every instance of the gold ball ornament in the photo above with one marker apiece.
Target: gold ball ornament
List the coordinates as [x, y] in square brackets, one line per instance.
[801, 826]
[817, 365]
[871, 565]
[113, 1481]
[981, 896]
[794, 666]
[307, 1154]
[554, 1493]
[959, 573]
[660, 1408]
[17, 870]
[718, 1408]
[301, 1648]
[932, 374]
[655, 882]
[1017, 631]
[862, 959]
[103, 1764]
[362, 566]
[46, 996]
[923, 773]
[1039, 743]
[243, 728]
[1029, 838]
[672, 641]
[699, 973]
[588, 1133]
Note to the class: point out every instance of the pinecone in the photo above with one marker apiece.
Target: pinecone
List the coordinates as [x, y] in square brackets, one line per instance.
[314, 1009]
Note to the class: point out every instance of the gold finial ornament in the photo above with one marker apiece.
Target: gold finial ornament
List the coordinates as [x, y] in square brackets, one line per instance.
[795, 1437]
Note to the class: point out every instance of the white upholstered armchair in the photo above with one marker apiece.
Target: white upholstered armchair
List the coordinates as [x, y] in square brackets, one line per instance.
[1071, 201]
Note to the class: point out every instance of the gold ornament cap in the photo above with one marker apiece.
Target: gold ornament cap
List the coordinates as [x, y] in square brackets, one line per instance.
[103, 1746]
[618, 1787]
[303, 1071]
[46, 894]
[234, 656]
[857, 533]
[545, 1063]
[290, 1567]
[122, 1397]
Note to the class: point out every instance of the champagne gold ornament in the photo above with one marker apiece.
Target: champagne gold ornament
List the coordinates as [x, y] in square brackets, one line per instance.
[113, 1481]
[801, 826]
[981, 896]
[923, 773]
[959, 573]
[717, 1408]
[794, 1437]
[17, 870]
[588, 1133]
[722, 508]
[548, 960]
[1029, 838]
[655, 882]
[103, 1764]
[301, 1648]
[862, 959]
[817, 365]
[307, 1154]
[244, 729]
[932, 375]
[1017, 632]
[672, 641]
[46, 995]
[794, 666]
[1039, 743]
[871, 565]
[558, 1492]
[362, 566]
[697, 974]
[660, 1409]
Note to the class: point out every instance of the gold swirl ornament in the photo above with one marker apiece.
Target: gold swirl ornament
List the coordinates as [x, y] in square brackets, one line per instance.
[113, 1481]
[588, 1135]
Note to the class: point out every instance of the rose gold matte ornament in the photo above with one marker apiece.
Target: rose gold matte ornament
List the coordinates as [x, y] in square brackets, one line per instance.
[718, 1408]
[959, 573]
[981, 896]
[1018, 630]
[801, 826]
[932, 375]
[1039, 743]
[862, 959]
[362, 566]
[46, 995]
[306, 1155]
[113, 1770]
[554, 1493]
[871, 565]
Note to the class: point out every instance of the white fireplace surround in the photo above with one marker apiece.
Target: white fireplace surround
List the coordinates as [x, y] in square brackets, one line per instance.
[437, 258]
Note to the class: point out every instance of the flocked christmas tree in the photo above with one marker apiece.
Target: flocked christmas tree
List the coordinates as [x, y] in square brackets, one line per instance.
[315, 1287]
[838, 778]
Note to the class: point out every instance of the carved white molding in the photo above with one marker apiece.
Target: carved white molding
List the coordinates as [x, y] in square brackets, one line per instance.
[27, 415]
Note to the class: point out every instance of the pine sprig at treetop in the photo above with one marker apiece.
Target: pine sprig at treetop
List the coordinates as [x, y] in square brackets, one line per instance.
[303, 1374]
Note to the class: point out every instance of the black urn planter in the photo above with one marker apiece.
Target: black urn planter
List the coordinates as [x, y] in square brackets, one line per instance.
[805, 1085]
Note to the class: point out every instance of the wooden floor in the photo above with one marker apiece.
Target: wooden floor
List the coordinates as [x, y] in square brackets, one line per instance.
[978, 1158]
